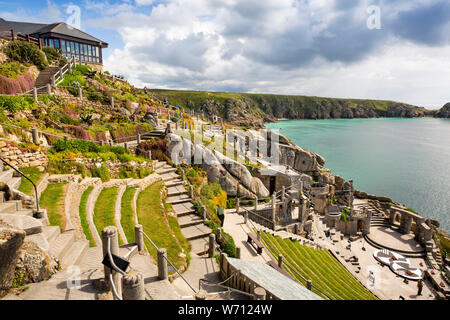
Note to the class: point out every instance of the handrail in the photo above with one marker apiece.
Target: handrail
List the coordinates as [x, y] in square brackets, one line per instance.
[114, 287]
[167, 259]
[111, 259]
[23, 175]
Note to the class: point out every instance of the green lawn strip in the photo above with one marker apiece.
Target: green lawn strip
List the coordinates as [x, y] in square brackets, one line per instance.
[127, 214]
[174, 225]
[346, 278]
[343, 277]
[337, 267]
[34, 175]
[104, 210]
[321, 270]
[82, 213]
[53, 199]
[272, 243]
[305, 262]
[297, 264]
[150, 216]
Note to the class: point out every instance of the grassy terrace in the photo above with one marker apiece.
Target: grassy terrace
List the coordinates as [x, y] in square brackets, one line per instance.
[52, 199]
[35, 175]
[104, 210]
[82, 212]
[151, 216]
[127, 214]
[319, 266]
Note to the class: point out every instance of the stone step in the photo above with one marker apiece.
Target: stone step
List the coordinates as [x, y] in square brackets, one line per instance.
[196, 232]
[174, 183]
[6, 175]
[8, 207]
[165, 170]
[169, 176]
[40, 240]
[50, 232]
[18, 204]
[74, 253]
[179, 199]
[189, 220]
[14, 182]
[176, 190]
[159, 164]
[61, 244]
[28, 224]
[199, 246]
[24, 212]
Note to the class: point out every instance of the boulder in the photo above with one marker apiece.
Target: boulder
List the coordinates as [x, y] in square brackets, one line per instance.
[34, 264]
[339, 182]
[11, 239]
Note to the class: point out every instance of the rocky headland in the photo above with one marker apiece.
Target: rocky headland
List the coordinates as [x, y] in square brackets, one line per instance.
[246, 109]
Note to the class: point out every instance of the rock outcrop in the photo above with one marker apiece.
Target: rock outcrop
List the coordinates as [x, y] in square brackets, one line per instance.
[444, 112]
[233, 177]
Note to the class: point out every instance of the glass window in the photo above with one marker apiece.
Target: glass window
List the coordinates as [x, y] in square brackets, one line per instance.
[72, 46]
[76, 48]
[96, 52]
[56, 43]
[63, 45]
[90, 50]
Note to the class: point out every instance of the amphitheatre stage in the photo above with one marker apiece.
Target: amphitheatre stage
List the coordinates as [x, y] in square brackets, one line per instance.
[389, 238]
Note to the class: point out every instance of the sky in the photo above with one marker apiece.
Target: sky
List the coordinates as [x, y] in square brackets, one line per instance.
[369, 49]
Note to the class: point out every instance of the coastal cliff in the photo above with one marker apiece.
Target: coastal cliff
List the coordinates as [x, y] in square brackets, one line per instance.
[245, 109]
[444, 112]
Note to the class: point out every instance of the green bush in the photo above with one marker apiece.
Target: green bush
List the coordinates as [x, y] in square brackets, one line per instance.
[227, 244]
[26, 52]
[17, 103]
[231, 203]
[211, 190]
[53, 54]
[12, 69]
[102, 173]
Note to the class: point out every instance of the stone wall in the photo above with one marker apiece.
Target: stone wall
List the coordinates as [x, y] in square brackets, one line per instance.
[20, 157]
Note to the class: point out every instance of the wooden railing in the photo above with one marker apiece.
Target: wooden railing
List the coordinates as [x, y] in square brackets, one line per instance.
[11, 35]
[58, 77]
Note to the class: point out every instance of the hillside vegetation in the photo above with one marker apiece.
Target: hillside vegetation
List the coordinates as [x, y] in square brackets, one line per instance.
[247, 108]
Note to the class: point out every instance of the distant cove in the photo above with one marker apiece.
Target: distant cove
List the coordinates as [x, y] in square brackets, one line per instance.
[407, 160]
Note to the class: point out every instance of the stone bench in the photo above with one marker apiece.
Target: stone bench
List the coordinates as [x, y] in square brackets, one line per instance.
[253, 240]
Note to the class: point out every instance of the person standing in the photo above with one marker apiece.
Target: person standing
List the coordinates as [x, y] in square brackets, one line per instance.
[419, 287]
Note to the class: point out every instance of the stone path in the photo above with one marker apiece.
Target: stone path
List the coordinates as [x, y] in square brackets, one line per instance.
[118, 212]
[90, 205]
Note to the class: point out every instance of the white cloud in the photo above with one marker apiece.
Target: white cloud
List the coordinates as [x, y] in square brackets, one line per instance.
[320, 48]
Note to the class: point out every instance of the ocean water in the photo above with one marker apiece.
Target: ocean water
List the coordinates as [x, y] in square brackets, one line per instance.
[407, 160]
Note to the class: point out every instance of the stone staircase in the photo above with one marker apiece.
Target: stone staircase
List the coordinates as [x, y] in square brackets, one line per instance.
[62, 246]
[7, 177]
[45, 77]
[157, 133]
[191, 225]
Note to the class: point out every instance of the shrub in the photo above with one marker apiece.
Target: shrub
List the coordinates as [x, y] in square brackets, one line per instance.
[102, 173]
[12, 86]
[12, 69]
[26, 52]
[16, 103]
[75, 145]
[227, 244]
[53, 54]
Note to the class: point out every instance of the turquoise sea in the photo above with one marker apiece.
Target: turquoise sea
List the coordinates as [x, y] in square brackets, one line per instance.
[407, 160]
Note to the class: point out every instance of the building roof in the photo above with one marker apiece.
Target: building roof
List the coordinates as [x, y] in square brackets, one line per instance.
[38, 29]
[270, 279]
